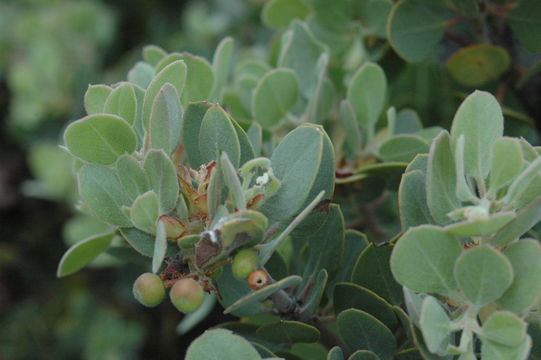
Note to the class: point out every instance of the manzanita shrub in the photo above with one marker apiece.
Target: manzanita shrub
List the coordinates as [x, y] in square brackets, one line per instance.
[245, 188]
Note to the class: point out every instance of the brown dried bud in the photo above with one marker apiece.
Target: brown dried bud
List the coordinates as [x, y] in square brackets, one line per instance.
[174, 227]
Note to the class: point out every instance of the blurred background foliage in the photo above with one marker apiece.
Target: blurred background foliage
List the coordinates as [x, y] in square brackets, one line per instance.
[50, 50]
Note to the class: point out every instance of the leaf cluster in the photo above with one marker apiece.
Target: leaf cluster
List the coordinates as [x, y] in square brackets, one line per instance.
[190, 162]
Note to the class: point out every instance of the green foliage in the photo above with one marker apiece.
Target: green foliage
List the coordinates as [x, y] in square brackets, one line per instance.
[487, 219]
[225, 176]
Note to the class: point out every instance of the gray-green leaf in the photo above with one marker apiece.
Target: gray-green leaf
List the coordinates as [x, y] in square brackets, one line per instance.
[100, 138]
[525, 257]
[435, 254]
[217, 134]
[367, 93]
[165, 120]
[479, 118]
[276, 93]
[145, 212]
[83, 253]
[483, 274]
[221, 344]
[102, 192]
[122, 102]
[163, 178]
[160, 247]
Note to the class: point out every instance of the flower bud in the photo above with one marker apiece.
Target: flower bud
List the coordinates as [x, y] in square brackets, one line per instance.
[174, 227]
[148, 289]
[187, 295]
[476, 213]
[244, 263]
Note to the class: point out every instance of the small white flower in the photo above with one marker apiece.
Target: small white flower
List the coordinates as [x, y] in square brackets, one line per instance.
[262, 180]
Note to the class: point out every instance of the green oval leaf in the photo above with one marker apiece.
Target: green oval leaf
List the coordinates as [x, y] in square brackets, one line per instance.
[279, 13]
[326, 244]
[483, 274]
[221, 64]
[166, 60]
[100, 138]
[351, 128]
[132, 176]
[475, 65]
[435, 254]
[288, 332]
[122, 102]
[152, 54]
[523, 188]
[199, 80]
[441, 180]
[160, 247]
[276, 93]
[163, 178]
[335, 353]
[246, 148]
[367, 93]
[504, 328]
[142, 242]
[141, 74]
[493, 350]
[414, 30]
[95, 98]
[373, 16]
[526, 218]
[363, 355]
[304, 163]
[412, 200]
[481, 227]
[145, 212]
[525, 257]
[217, 135]
[165, 120]
[362, 331]
[479, 118]
[507, 162]
[175, 74]
[402, 148]
[102, 192]
[83, 253]
[191, 127]
[300, 51]
[317, 287]
[373, 272]
[352, 296]
[435, 325]
[221, 344]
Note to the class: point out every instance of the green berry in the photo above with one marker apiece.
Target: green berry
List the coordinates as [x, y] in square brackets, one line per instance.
[148, 289]
[244, 263]
[187, 295]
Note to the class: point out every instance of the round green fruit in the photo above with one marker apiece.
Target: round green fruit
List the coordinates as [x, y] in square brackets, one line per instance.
[244, 263]
[187, 295]
[148, 289]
